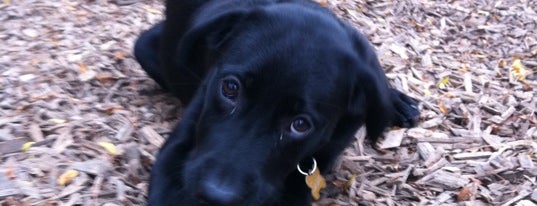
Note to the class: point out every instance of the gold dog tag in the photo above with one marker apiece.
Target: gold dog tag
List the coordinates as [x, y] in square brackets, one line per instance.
[316, 183]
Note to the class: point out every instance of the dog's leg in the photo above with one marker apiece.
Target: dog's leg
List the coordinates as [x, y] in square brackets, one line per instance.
[343, 136]
[146, 51]
[166, 173]
[407, 113]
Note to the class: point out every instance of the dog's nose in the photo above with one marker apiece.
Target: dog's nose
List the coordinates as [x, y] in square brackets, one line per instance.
[215, 193]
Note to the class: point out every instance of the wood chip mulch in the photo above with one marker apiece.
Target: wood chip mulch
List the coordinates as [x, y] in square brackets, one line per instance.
[80, 122]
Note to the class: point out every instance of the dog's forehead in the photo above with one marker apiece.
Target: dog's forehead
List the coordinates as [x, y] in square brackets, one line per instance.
[290, 78]
[294, 52]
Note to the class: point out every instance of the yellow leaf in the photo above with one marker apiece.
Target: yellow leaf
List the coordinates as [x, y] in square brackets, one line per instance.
[518, 71]
[349, 183]
[27, 146]
[443, 83]
[67, 177]
[109, 147]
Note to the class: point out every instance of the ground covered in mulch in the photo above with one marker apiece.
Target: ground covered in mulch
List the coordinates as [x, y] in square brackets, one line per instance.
[80, 123]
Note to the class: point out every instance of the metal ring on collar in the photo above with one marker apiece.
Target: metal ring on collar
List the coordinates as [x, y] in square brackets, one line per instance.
[310, 172]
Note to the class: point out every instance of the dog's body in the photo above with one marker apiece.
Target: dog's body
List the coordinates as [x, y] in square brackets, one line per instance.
[268, 84]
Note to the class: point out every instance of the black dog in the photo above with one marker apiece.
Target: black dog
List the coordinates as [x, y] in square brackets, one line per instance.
[269, 84]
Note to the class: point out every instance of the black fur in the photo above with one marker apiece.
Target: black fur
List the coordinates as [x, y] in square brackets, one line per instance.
[269, 84]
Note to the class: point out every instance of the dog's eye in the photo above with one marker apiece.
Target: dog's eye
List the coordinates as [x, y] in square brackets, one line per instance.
[230, 88]
[300, 126]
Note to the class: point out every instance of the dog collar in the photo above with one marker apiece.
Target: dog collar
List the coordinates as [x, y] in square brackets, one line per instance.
[311, 171]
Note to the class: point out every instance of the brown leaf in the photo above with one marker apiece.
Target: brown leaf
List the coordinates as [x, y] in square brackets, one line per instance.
[105, 78]
[119, 55]
[502, 63]
[316, 183]
[82, 67]
[443, 108]
[10, 173]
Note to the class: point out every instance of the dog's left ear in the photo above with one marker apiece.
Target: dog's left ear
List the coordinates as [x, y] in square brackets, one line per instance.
[204, 41]
[199, 49]
[370, 93]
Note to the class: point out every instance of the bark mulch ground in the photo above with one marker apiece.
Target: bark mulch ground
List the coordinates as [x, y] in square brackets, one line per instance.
[80, 123]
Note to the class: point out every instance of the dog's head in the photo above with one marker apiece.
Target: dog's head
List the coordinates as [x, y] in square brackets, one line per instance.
[283, 84]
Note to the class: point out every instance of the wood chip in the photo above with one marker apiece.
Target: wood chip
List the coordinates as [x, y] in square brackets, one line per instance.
[151, 136]
[7, 188]
[471, 155]
[124, 132]
[94, 167]
[392, 139]
[448, 179]
[525, 203]
[14, 145]
[36, 133]
[522, 194]
[425, 150]
[525, 161]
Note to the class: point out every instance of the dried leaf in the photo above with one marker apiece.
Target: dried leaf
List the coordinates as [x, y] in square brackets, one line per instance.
[109, 147]
[27, 146]
[518, 71]
[323, 3]
[443, 108]
[82, 67]
[316, 183]
[502, 63]
[443, 83]
[119, 55]
[10, 173]
[105, 78]
[349, 183]
[67, 177]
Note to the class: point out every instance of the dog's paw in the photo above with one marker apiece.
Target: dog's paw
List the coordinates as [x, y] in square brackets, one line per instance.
[407, 113]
